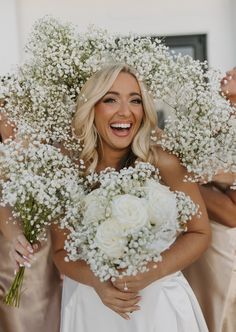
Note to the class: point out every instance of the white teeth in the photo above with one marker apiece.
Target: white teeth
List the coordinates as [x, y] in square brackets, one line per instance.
[121, 125]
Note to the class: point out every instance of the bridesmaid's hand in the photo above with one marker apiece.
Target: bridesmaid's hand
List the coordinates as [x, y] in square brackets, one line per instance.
[139, 281]
[22, 251]
[121, 302]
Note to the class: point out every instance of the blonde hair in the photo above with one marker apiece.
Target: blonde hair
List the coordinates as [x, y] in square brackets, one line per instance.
[93, 90]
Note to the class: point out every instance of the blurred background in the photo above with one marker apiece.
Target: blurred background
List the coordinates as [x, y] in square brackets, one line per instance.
[206, 29]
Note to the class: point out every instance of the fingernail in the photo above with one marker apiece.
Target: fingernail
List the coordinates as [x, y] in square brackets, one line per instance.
[15, 272]
[21, 265]
[27, 264]
[35, 246]
[30, 249]
[25, 257]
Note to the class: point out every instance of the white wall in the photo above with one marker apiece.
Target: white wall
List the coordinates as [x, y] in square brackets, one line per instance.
[233, 19]
[9, 41]
[163, 17]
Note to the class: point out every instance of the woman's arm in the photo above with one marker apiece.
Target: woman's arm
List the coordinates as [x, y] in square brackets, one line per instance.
[224, 179]
[231, 194]
[119, 301]
[6, 128]
[221, 206]
[190, 245]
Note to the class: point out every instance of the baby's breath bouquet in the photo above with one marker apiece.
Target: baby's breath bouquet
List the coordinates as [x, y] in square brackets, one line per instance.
[39, 184]
[128, 220]
[42, 92]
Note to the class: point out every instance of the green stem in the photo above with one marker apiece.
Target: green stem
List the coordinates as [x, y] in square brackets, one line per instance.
[13, 295]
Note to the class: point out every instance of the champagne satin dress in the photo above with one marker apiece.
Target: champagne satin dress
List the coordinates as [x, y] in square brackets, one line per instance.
[213, 279]
[41, 293]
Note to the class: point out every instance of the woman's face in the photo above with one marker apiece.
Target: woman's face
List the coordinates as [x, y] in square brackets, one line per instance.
[118, 115]
[228, 84]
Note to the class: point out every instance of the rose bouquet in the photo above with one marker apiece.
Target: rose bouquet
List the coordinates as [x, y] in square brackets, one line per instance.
[39, 184]
[127, 221]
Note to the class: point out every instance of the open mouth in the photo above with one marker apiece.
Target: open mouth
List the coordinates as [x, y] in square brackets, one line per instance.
[121, 129]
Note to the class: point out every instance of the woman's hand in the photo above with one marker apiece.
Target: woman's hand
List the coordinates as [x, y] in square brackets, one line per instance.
[138, 282]
[22, 252]
[122, 302]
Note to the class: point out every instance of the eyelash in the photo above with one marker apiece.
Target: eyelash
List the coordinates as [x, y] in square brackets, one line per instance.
[112, 100]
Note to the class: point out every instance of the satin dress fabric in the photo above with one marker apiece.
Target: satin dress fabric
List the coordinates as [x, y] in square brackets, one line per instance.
[40, 302]
[167, 305]
[213, 279]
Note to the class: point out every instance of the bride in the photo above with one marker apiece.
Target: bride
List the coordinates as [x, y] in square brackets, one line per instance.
[114, 120]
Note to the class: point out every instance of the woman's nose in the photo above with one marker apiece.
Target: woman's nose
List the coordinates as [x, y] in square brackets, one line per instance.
[124, 109]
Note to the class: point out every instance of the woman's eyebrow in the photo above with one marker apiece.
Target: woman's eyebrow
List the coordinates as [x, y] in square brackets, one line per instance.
[117, 93]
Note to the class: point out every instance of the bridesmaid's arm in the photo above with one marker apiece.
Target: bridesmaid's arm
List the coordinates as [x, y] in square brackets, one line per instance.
[190, 245]
[221, 206]
[6, 128]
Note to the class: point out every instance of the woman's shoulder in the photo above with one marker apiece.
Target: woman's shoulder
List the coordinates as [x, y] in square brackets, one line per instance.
[166, 160]
[169, 166]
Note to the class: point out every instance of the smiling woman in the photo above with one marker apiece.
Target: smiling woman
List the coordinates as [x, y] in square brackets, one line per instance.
[118, 116]
[103, 109]
[114, 120]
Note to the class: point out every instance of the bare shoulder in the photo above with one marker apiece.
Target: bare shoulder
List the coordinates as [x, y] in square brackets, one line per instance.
[169, 166]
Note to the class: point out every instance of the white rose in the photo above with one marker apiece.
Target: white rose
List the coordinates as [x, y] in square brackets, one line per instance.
[94, 207]
[110, 238]
[162, 207]
[130, 211]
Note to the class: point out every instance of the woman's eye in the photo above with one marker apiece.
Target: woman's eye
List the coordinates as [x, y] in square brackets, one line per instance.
[109, 100]
[137, 101]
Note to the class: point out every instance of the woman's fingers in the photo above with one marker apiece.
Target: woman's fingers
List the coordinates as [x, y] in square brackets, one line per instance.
[36, 246]
[23, 241]
[22, 251]
[19, 259]
[16, 265]
[122, 304]
[123, 315]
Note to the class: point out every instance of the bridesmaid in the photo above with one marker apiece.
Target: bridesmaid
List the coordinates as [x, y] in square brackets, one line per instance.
[213, 276]
[40, 301]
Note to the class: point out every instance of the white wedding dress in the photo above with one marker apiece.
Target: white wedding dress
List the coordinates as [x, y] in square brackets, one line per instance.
[167, 305]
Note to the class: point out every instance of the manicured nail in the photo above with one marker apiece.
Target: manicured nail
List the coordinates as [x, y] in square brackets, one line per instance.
[15, 272]
[30, 249]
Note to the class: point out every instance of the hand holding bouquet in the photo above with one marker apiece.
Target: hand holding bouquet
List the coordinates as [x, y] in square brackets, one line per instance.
[39, 183]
